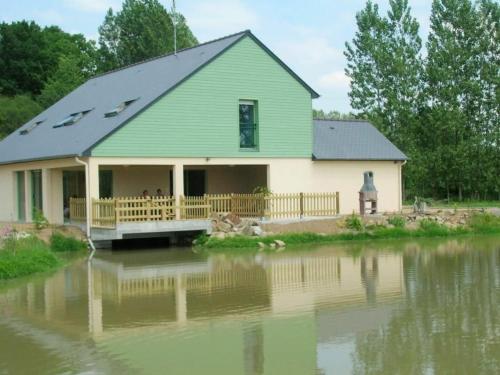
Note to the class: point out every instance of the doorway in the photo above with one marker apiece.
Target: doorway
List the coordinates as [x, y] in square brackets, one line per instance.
[194, 182]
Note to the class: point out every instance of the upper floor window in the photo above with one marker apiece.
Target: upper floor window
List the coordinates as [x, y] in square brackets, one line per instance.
[248, 124]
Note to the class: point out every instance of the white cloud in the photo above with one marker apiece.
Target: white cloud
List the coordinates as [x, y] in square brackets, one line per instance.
[335, 80]
[92, 6]
[49, 17]
[212, 19]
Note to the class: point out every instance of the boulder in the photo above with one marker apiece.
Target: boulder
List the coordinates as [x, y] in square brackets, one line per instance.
[279, 243]
[262, 245]
[247, 230]
[222, 227]
[257, 231]
[232, 219]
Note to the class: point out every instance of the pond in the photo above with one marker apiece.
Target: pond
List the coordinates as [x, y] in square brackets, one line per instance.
[406, 307]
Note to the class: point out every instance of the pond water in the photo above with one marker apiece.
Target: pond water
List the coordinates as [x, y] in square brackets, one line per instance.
[414, 307]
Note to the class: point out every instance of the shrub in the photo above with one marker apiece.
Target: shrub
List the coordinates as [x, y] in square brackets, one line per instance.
[397, 221]
[484, 222]
[24, 257]
[39, 220]
[354, 222]
[61, 243]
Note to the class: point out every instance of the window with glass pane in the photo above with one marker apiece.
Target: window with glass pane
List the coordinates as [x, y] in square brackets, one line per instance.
[248, 124]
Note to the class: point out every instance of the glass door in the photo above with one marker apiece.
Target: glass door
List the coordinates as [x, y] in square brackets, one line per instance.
[36, 191]
[21, 197]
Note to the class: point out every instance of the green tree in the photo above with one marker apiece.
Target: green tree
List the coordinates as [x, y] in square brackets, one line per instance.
[319, 114]
[384, 64]
[66, 78]
[140, 30]
[24, 60]
[15, 111]
[459, 97]
[29, 55]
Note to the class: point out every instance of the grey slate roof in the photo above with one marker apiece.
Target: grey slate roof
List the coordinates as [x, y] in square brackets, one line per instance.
[351, 140]
[146, 81]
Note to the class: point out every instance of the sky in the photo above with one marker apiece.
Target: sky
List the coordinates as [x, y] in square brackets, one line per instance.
[309, 36]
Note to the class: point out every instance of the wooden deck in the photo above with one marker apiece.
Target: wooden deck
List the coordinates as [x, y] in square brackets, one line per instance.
[137, 217]
[110, 212]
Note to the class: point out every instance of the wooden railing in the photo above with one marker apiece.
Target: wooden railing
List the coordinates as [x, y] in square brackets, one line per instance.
[103, 213]
[77, 209]
[133, 209]
[194, 207]
[273, 206]
[107, 212]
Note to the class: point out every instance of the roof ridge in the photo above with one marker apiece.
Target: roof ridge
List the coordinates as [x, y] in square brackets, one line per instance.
[244, 32]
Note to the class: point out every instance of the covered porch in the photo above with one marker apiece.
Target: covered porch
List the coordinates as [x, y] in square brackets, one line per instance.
[115, 198]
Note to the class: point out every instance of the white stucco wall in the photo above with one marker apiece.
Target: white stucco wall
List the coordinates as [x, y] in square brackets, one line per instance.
[51, 188]
[132, 180]
[8, 210]
[346, 177]
[281, 175]
[291, 175]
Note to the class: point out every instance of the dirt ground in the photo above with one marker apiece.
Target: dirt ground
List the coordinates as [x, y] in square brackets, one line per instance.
[44, 234]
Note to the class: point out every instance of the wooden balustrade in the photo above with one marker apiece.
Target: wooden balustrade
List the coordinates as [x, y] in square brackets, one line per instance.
[194, 207]
[77, 209]
[107, 212]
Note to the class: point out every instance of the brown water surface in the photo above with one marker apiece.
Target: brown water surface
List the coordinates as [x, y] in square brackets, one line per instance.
[399, 307]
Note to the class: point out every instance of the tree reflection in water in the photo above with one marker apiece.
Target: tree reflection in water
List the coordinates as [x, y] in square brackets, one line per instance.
[449, 322]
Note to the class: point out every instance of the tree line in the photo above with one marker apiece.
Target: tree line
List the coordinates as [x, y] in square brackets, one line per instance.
[441, 104]
[40, 65]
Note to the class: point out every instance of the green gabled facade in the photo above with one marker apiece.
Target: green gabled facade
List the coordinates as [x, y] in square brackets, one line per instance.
[200, 116]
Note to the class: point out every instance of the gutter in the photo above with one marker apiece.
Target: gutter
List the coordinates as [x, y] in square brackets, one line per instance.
[87, 196]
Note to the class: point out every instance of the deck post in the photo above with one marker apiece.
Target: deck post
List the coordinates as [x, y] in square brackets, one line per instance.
[337, 202]
[178, 185]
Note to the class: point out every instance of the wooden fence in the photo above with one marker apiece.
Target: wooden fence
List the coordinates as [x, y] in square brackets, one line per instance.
[77, 209]
[194, 208]
[107, 212]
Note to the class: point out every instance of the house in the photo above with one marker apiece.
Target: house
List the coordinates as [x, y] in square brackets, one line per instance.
[223, 117]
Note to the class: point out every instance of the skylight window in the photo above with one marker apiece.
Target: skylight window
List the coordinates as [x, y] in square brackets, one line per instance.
[119, 108]
[31, 127]
[71, 119]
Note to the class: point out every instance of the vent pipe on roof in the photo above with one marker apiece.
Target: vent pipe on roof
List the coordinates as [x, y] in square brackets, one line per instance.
[174, 22]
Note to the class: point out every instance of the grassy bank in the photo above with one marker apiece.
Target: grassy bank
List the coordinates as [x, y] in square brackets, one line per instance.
[27, 256]
[477, 224]
[458, 204]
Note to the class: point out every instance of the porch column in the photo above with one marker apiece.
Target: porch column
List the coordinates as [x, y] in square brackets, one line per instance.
[93, 183]
[46, 194]
[56, 197]
[178, 185]
[91, 188]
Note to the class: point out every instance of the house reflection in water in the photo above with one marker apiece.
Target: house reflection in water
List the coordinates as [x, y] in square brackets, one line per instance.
[153, 311]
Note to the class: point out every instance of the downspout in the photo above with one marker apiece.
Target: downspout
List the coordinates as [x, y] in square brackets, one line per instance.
[88, 204]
